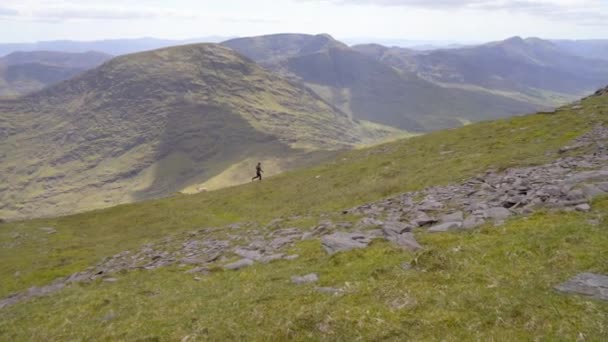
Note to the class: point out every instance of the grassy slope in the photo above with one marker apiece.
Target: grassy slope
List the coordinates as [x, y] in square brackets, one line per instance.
[488, 283]
[149, 124]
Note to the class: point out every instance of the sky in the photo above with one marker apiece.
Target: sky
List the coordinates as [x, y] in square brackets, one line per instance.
[418, 20]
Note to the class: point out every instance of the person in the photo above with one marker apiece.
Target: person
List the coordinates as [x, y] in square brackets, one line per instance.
[258, 172]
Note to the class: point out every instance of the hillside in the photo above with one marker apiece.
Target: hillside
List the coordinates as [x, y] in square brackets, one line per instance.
[26, 72]
[370, 90]
[529, 68]
[263, 262]
[150, 124]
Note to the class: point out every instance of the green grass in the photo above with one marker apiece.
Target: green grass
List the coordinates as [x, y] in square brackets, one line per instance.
[495, 283]
[353, 178]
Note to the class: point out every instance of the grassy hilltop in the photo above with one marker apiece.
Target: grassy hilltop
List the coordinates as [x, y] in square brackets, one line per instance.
[492, 283]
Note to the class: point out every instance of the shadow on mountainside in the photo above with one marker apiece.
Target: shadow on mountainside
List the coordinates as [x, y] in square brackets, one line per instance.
[198, 143]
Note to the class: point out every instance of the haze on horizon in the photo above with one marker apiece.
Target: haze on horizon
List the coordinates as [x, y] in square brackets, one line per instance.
[350, 20]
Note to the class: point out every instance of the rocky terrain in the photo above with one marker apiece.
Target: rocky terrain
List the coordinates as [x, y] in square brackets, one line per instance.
[569, 183]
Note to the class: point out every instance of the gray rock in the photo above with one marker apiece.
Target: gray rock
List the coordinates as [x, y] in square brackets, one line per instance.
[422, 219]
[198, 270]
[110, 280]
[369, 222]
[591, 191]
[395, 228]
[248, 254]
[48, 230]
[309, 278]
[281, 242]
[406, 241]
[329, 290]
[291, 257]
[342, 241]
[430, 205]
[272, 257]
[587, 284]
[193, 260]
[497, 213]
[444, 227]
[576, 194]
[472, 222]
[239, 264]
[589, 176]
[457, 216]
[583, 207]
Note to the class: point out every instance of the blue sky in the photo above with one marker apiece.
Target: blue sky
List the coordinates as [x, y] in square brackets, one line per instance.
[446, 20]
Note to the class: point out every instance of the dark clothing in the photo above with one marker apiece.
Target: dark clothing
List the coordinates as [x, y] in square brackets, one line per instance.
[258, 173]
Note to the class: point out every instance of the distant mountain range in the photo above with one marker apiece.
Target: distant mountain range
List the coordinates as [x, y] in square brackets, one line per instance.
[150, 124]
[393, 86]
[83, 130]
[532, 69]
[109, 46]
[25, 72]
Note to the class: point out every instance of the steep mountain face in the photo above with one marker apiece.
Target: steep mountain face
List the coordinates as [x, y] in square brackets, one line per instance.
[267, 49]
[368, 88]
[26, 72]
[532, 67]
[153, 123]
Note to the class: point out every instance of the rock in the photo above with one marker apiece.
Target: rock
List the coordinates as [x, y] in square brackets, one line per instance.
[457, 216]
[576, 194]
[329, 290]
[309, 278]
[110, 280]
[406, 241]
[496, 213]
[395, 228]
[239, 264]
[472, 222]
[193, 261]
[291, 257]
[591, 191]
[589, 176]
[444, 227]
[369, 222]
[406, 266]
[587, 284]
[430, 205]
[272, 257]
[583, 207]
[342, 241]
[248, 254]
[198, 270]
[281, 241]
[422, 219]
[48, 230]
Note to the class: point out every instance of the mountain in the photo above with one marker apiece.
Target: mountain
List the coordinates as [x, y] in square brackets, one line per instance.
[593, 48]
[26, 72]
[109, 46]
[348, 249]
[368, 88]
[150, 124]
[527, 68]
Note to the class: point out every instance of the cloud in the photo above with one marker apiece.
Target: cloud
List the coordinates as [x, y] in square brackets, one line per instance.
[583, 12]
[56, 12]
[8, 12]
